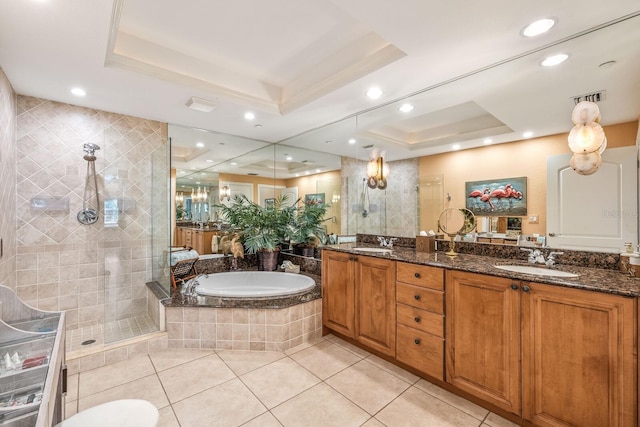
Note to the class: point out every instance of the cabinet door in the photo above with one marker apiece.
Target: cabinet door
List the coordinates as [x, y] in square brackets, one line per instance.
[376, 303]
[338, 292]
[483, 337]
[578, 358]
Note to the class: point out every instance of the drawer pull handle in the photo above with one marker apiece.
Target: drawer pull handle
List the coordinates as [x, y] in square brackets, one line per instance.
[417, 275]
[416, 341]
[514, 286]
[416, 297]
[526, 288]
[417, 319]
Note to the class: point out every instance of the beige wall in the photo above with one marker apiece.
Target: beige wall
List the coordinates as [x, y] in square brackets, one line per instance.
[7, 182]
[255, 180]
[95, 273]
[523, 158]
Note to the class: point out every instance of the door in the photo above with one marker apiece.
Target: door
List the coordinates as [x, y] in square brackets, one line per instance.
[338, 292]
[376, 303]
[596, 211]
[483, 337]
[578, 357]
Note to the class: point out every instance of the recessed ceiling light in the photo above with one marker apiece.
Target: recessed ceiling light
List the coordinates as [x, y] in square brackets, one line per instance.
[455, 147]
[209, 161]
[190, 177]
[527, 134]
[297, 174]
[487, 141]
[200, 144]
[249, 115]
[327, 142]
[257, 125]
[197, 182]
[538, 27]
[374, 93]
[306, 173]
[352, 141]
[289, 158]
[405, 108]
[233, 163]
[78, 91]
[553, 60]
[318, 170]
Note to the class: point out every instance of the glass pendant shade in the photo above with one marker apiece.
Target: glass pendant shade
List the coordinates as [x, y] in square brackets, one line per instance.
[585, 164]
[585, 112]
[586, 138]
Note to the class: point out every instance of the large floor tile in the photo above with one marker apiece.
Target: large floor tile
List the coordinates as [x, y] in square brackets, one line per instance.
[264, 420]
[372, 422]
[393, 369]
[325, 359]
[320, 406]
[368, 386]
[461, 403]
[494, 420]
[169, 358]
[347, 346]
[193, 377]
[279, 381]
[147, 388]
[304, 345]
[242, 362]
[229, 404]
[109, 376]
[417, 408]
[167, 418]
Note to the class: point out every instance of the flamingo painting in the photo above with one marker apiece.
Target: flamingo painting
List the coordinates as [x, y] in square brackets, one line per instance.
[497, 197]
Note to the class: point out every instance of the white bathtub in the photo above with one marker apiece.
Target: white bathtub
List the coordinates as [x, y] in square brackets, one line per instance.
[248, 284]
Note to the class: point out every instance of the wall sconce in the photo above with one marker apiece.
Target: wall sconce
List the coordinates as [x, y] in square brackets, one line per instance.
[200, 196]
[225, 193]
[587, 139]
[180, 197]
[377, 170]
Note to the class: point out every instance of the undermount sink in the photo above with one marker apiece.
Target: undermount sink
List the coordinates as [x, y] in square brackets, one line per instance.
[375, 250]
[538, 271]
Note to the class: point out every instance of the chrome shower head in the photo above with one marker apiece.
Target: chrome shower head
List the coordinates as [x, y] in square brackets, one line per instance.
[90, 149]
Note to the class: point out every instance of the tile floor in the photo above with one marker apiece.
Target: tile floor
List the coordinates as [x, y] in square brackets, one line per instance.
[327, 382]
[109, 332]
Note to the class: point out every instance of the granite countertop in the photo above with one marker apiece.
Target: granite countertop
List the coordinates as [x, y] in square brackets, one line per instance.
[595, 279]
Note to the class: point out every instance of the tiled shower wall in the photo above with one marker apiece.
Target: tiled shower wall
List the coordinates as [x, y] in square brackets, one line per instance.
[7, 182]
[97, 273]
[390, 212]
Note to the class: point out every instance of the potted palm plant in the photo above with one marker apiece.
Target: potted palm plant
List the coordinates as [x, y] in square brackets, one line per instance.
[306, 228]
[262, 228]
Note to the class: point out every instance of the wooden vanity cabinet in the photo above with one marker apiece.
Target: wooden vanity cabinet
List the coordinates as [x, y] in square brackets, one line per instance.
[576, 350]
[359, 299]
[483, 338]
[420, 318]
[200, 240]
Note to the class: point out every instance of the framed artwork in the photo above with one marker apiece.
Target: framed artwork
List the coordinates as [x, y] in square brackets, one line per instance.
[314, 199]
[269, 203]
[497, 197]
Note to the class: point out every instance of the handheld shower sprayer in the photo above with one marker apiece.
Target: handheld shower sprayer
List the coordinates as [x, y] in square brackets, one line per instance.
[90, 215]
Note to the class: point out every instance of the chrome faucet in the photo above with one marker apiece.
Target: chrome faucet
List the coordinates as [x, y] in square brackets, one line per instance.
[551, 258]
[189, 288]
[387, 243]
[535, 256]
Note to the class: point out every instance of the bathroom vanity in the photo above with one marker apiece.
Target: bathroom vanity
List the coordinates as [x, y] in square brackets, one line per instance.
[32, 373]
[540, 350]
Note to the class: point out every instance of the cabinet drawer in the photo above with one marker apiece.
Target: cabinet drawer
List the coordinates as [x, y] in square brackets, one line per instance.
[420, 275]
[421, 351]
[425, 321]
[419, 297]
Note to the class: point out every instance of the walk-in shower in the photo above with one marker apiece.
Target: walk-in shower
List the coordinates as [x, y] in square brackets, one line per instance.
[89, 215]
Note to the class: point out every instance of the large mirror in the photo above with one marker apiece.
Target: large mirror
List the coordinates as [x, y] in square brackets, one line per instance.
[491, 106]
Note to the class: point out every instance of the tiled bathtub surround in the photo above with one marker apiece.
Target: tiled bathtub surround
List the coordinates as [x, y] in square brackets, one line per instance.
[8, 181]
[95, 272]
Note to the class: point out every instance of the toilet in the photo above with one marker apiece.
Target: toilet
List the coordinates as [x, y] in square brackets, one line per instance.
[118, 413]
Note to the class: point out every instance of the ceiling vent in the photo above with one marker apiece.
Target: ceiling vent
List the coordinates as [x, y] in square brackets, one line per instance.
[200, 104]
[598, 96]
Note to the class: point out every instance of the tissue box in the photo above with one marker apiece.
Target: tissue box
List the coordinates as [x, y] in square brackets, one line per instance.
[425, 243]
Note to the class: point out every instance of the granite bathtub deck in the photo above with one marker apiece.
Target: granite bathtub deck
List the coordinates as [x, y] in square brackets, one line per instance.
[610, 281]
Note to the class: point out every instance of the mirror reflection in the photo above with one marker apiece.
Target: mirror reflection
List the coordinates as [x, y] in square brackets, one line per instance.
[427, 149]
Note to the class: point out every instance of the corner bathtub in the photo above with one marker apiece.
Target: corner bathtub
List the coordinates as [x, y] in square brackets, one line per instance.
[252, 284]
